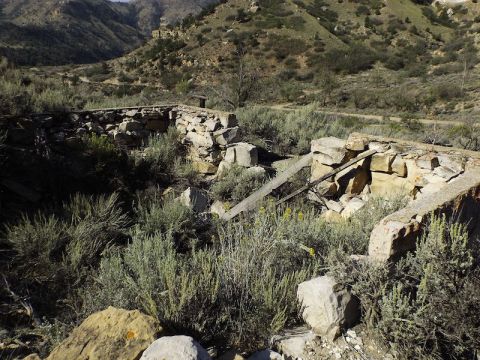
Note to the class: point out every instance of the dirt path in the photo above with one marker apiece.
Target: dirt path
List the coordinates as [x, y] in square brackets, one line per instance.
[379, 118]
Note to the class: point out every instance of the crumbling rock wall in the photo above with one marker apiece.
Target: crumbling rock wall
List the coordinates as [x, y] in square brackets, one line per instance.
[399, 167]
[438, 180]
[208, 132]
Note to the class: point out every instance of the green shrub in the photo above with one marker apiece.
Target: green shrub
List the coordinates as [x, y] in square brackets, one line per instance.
[161, 151]
[228, 292]
[431, 309]
[465, 135]
[241, 288]
[426, 306]
[102, 146]
[446, 91]
[265, 126]
[355, 58]
[237, 184]
[95, 224]
[166, 215]
[184, 86]
[54, 253]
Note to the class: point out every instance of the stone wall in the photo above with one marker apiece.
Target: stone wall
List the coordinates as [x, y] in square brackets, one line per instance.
[399, 167]
[439, 180]
[396, 234]
[208, 132]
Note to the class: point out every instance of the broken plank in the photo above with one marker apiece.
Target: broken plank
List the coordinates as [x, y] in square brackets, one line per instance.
[251, 201]
[360, 157]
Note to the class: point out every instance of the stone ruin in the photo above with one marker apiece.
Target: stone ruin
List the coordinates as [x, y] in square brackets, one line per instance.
[208, 133]
[436, 179]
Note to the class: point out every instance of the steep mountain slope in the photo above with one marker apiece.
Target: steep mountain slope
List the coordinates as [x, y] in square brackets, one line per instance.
[297, 34]
[401, 55]
[80, 31]
[64, 31]
[149, 13]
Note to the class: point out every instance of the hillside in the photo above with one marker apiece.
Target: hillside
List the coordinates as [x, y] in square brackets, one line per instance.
[149, 13]
[54, 31]
[297, 44]
[82, 31]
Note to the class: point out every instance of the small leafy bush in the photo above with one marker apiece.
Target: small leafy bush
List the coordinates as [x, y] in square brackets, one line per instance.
[166, 215]
[102, 146]
[446, 91]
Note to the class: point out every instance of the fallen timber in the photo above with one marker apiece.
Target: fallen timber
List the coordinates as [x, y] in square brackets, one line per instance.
[251, 201]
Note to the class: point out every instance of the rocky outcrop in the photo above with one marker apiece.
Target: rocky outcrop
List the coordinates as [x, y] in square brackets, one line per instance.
[327, 307]
[109, 334]
[175, 348]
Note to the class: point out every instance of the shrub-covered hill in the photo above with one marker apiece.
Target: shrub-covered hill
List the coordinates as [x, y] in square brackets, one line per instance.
[149, 13]
[79, 31]
[53, 31]
[294, 35]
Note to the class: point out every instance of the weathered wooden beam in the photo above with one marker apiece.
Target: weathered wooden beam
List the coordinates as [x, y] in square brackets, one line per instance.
[250, 202]
[310, 185]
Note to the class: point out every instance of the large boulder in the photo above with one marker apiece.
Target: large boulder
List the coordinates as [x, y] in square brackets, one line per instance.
[428, 161]
[195, 199]
[130, 125]
[319, 169]
[353, 179]
[200, 140]
[382, 162]
[175, 348]
[227, 136]
[242, 154]
[266, 355]
[109, 334]
[415, 174]
[356, 142]
[399, 166]
[327, 307]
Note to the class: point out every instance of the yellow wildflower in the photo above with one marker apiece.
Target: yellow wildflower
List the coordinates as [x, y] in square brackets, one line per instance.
[311, 251]
[131, 335]
[300, 216]
[287, 213]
